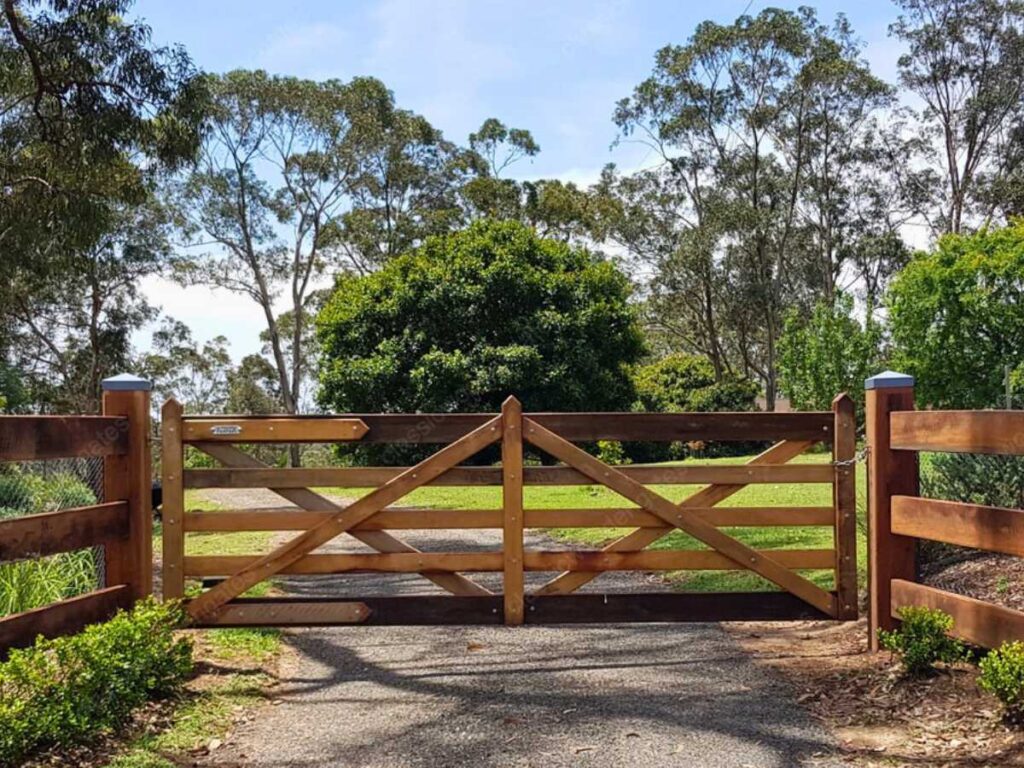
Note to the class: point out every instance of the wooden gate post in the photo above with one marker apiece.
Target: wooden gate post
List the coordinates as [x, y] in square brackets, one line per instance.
[172, 459]
[512, 499]
[890, 473]
[129, 477]
[844, 502]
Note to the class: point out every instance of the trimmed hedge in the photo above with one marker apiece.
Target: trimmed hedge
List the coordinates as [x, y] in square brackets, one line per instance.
[71, 689]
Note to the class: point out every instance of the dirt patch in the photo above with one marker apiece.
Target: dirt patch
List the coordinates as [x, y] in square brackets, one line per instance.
[879, 718]
[997, 579]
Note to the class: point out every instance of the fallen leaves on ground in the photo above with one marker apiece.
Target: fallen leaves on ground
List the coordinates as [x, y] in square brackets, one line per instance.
[879, 717]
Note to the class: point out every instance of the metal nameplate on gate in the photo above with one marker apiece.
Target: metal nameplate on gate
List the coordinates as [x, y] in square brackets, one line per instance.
[227, 429]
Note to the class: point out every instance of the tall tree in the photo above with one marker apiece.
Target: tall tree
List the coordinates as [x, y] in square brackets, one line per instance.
[299, 180]
[964, 62]
[72, 320]
[90, 115]
[764, 127]
[195, 374]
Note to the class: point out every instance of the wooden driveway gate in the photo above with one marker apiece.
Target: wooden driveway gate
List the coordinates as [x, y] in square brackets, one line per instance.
[371, 517]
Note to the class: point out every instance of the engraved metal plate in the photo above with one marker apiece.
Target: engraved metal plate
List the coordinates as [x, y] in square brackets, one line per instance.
[226, 429]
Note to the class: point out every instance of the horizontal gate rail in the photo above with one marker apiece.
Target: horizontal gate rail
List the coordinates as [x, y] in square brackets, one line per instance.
[369, 477]
[432, 610]
[412, 518]
[533, 560]
[579, 427]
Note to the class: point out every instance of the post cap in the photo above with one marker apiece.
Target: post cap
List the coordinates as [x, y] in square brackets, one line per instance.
[126, 382]
[889, 380]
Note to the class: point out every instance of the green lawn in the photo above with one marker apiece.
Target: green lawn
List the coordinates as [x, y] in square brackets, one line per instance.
[555, 497]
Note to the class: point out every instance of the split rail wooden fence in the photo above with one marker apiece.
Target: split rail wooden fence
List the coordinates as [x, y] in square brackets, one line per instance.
[373, 518]
[899, 516]
[121, 522]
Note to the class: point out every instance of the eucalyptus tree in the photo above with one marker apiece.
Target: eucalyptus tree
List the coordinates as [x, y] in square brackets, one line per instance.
[761, 127]
[72, 319]
[90, 115]
[964, 62]
[407, 180]
[261, 207]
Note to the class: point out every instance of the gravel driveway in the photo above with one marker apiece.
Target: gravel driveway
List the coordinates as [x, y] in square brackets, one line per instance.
[636, 695]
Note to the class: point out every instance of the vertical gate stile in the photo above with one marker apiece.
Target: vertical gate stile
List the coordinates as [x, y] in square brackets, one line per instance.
[844, 503]
[512, 503]
[172, 469]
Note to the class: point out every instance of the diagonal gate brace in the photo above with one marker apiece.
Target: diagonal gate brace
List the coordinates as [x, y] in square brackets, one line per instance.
[382, 541]
[678, 517]
[206, 606]
[642, 537]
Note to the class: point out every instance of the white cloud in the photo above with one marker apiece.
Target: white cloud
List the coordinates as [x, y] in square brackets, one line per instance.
[208, 312]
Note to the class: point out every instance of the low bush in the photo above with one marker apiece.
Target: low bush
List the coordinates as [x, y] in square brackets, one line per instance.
[71, 689]
[921, 641]
[25, 493]
[996, 481]
[1002, 674]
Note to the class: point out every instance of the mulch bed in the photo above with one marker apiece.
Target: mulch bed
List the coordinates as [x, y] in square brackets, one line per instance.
[880, 718]
[997, 579]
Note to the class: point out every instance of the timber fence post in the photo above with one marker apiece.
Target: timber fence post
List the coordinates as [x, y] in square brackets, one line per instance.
[129, 477]
[890, 473]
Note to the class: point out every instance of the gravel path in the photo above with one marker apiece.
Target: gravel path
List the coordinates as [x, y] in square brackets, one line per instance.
[643, 695]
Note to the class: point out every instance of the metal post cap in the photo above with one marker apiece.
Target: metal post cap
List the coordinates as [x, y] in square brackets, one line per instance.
[889, 380]
[126, 382]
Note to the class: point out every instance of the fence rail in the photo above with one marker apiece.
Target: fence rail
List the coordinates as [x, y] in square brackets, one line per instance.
[899, 517]
[120, 523]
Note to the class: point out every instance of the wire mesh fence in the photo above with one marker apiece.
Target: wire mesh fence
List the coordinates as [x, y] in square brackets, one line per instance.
[32, 487]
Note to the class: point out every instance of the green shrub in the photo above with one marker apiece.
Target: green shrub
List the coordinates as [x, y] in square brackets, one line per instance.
[995, 481]
[680, 383]
[1002, 674]
[921, 641]
[611, 452]
[69, 690]
[27, 493]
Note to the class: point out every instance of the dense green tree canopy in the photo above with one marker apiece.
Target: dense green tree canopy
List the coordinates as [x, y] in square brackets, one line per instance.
[472, 317]
[957, 317]
[91, 114]
[828, 353]
[682, 382]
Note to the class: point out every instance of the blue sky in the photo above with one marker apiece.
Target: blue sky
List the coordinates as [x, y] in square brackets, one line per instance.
[556, 68]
